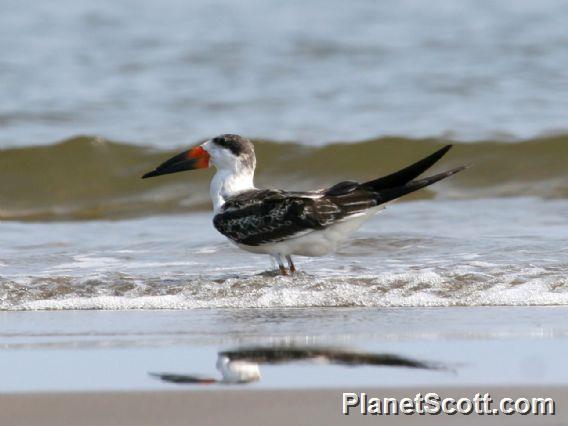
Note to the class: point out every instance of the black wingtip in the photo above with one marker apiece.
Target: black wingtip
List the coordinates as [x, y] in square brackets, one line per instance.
[407, 174]
[390, 194]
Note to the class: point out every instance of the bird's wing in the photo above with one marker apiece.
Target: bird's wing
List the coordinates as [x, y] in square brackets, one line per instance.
[353, 197]
[265, 216]
[333, 355]
[404, 176]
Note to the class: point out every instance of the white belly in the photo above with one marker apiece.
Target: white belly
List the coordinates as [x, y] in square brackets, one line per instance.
[315, 243]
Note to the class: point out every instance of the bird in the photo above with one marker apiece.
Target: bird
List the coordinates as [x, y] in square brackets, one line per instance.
[285, 223]
[242, 365]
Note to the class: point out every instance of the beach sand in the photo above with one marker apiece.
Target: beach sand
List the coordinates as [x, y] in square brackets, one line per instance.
[252, 407]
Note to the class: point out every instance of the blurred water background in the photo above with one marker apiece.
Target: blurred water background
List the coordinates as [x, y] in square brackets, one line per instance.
[95, 94]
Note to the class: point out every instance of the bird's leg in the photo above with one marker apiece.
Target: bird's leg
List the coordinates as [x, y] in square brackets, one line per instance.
[291, 264]
[283, 270]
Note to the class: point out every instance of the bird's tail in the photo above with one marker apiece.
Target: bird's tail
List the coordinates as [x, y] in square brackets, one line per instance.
[388, 194]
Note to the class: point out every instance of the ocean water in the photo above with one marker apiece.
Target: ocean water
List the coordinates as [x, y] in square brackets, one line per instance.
[421, 253]
[170, 72]
[93, 95]
[106, 92]
[118, 350]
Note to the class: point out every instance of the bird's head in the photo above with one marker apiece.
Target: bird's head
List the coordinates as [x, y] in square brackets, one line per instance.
[225, 152]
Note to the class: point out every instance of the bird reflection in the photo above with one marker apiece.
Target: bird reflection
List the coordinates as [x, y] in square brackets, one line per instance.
[242, 365]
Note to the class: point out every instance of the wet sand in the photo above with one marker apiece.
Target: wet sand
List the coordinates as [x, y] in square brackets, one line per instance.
[252, 407]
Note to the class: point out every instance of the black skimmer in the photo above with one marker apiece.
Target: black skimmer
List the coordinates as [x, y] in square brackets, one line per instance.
[285, 223]
[243, 365]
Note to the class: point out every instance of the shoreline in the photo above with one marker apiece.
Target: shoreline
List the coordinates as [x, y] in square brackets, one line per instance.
[243, 407]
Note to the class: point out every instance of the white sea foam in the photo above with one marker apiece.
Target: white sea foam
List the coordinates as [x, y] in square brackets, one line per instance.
[390, 290]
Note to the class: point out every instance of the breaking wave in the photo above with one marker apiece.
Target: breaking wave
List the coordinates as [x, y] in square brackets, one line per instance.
[514, 286]
[88, 177]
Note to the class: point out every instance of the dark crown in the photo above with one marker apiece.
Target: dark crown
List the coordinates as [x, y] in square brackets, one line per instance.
[235, 143]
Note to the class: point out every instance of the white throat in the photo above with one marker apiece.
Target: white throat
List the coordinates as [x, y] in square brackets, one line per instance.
[229, 182]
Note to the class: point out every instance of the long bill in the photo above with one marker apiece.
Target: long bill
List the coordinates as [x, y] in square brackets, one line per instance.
[195, 158]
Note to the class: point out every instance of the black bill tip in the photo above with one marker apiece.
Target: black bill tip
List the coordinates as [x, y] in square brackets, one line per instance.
[194, 158]
[150, 174]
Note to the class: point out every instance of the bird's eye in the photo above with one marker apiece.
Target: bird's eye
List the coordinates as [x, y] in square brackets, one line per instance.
[219, 141]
